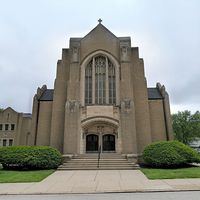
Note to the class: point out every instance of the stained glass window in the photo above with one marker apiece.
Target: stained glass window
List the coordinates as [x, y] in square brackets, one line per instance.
[103, 71]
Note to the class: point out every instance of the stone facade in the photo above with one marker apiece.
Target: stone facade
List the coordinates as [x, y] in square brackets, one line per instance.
[100, 99]
[14, 128]
[77, 116]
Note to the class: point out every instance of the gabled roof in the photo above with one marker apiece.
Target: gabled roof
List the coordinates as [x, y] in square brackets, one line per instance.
[99, 27]
[47, 95]
[9, 109]
[154, 94]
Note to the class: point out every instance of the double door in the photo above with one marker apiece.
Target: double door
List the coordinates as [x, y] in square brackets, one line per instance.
[93, 142]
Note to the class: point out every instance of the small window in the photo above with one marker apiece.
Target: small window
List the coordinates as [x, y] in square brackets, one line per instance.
[6, 127]
[1, 127]
[10, 142]
[4, 142]
[12, 127]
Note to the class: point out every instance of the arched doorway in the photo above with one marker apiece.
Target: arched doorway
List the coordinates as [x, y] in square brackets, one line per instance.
[108, 142]
[100, 132]
[92, 142]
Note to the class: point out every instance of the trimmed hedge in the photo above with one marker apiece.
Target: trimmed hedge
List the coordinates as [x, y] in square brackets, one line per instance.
[29, 157]
[169, 154]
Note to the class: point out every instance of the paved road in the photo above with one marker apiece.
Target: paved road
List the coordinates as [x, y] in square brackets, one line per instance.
[110, 196]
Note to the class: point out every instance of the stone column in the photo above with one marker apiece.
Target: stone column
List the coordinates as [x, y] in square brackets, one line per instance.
[166, 110]
[128, 127]
[142, 115]
[34, 121]
[72, 132]
[59, 100]
[127, 112]
[58, 114]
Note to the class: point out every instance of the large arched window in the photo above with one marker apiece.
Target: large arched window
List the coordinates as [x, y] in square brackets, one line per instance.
[100, 81]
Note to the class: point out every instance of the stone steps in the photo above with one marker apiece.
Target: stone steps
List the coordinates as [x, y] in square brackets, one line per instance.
[103, 155]
[95, 168]
[90, 162]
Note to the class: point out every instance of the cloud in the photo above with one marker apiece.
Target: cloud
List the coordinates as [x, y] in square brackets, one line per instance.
[32, 37]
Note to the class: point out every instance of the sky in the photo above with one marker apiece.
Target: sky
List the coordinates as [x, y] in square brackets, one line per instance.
[33, 33]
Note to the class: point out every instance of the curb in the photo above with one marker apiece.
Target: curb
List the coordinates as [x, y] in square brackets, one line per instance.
[104, 192]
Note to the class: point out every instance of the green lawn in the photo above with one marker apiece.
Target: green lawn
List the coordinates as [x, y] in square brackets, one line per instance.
[189, 172]
[8, 176]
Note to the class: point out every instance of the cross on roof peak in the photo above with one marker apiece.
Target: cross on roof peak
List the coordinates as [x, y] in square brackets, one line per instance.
[100, 20]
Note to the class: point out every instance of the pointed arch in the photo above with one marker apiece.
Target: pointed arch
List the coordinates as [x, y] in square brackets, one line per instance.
[99, 79]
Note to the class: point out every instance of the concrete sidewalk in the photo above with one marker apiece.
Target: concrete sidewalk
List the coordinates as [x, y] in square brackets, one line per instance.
[94, 181]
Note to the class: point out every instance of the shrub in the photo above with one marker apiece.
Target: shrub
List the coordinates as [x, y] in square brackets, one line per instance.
[169, 154]
[29, 157]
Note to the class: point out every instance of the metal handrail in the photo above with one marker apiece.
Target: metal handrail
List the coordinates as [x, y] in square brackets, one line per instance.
[99, 154]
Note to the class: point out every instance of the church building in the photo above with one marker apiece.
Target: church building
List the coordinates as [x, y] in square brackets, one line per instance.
[100, 100]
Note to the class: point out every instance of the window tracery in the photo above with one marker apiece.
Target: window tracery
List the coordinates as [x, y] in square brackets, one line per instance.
[88, 83]
[100, 81]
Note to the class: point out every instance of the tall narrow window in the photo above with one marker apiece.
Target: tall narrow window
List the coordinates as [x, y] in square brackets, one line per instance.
[112, 86]
[100, 80]
[88, 84]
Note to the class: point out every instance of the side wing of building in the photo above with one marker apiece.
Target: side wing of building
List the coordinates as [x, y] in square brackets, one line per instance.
[15, 128]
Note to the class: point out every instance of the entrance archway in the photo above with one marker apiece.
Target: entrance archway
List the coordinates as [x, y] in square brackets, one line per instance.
[108, 142]
[100, 132]
[92, 142]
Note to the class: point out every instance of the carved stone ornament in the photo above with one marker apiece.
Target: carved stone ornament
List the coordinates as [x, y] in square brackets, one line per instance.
[127, 103]
[72, 105]
[124, 48]
[75, 53]
[161, 89]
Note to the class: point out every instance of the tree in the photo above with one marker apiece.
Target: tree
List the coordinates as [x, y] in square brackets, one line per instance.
[1, 109]
[186, 126]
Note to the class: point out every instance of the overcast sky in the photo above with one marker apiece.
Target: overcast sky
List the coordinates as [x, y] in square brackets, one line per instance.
[33, 33]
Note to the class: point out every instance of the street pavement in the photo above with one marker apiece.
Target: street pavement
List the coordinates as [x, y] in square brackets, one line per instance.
[109, 196]
[99, 181]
